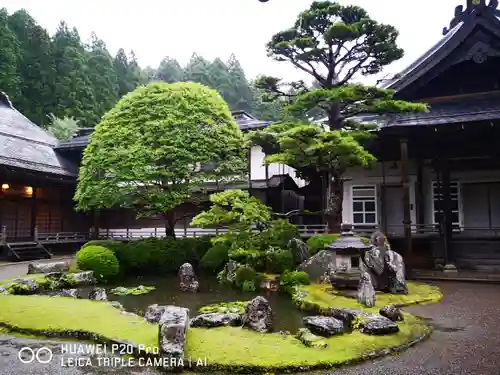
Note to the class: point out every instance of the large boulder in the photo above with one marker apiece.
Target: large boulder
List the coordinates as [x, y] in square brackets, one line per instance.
[366, 290]
[154, 313]
[187, 278]
[396, 277]
[98, 294]
[309, 339]
[379, 325]
[324, 325]
[77, 279]
[318, 265]
[348, 316]
[212, 320]
[36, 267]
[392, 312]
[299, 250]
[173, 327]
[258, 315]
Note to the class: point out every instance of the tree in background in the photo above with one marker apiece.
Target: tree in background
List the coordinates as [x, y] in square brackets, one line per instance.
[151, 152]
[169, 71]
[62, 128]
[10, 58]
[127, 71]
[333, 44]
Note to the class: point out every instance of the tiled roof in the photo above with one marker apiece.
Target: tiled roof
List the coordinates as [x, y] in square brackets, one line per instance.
[23, 144]
[455, 110]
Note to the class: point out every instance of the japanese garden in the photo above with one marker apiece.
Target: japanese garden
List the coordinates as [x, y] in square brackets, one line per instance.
[261, 285]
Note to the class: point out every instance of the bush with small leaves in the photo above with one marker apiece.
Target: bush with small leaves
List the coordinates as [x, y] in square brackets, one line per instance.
[100, 260]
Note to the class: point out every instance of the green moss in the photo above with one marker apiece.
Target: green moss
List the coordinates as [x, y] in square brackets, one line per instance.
[238, 348]
[135, 291]
[320, 296]
[59, 315]
[37, 277]
[236, 306]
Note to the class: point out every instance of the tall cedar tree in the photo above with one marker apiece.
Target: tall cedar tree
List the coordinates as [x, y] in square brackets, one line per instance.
[157, 147]
[9, 60]
[333, 44]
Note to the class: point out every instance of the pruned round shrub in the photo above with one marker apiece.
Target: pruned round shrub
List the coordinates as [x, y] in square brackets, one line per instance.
[278, 260]
[254, 258]
[245, 273]
[289, 280]
[100, 260]
[216, 257]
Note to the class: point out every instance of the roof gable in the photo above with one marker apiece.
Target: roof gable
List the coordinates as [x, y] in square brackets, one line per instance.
[472, 35]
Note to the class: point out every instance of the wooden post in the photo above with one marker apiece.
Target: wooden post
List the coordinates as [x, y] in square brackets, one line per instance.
[405, 182]
[447, 219]
[33, 213]
[4, 234]
[35, 233]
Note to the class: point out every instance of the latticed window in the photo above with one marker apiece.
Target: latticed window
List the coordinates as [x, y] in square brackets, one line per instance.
[364, 205]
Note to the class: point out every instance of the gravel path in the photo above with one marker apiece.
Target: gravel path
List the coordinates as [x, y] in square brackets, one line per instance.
[466, 341]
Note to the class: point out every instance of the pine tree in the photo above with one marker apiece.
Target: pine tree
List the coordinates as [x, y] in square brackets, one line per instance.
[198, 70]
[128, 72]
[169, 71]
[242, 95]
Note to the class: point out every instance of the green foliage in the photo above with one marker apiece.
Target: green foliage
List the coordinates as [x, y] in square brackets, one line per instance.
[278, 261]
[216, 257]
[62, 128]
[290, 280]
[225, 307]
[249, 286]
[100, 260]
[245, 273]
[251, 257]
[278, 234]
[147, 151]
[136, 291]
[9, 45]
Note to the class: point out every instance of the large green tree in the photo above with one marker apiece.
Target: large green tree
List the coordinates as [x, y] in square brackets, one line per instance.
[169, 71]
[128, 72]
[9, 60]
[157, 147]
[35, 68]
[334, 45]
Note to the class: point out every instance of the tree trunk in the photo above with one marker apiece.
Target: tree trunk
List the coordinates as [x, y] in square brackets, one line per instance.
[169, 225]
[335, 195]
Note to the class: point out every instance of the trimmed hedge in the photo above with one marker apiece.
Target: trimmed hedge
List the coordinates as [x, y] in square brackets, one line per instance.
[100, 260]
[216, 257]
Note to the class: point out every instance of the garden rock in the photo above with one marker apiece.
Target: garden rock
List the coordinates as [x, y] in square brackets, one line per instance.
[299, 250]
[216, 320]
[228, 274]
[366, 290]
[379, 325]
[309, 339]
[318, 265]
[116, 305]
[98, 294]
[82, 278]
[4, 291]
[258, 315]
[36, 267]
[392, 312]
[325, 326]
[24, 287]
[173, 327]
[396, 269]
[69, 293]
[188, 281]
[348, 316]
[154, 313]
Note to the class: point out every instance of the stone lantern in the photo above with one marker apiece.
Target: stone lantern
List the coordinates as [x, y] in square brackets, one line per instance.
[348, 250]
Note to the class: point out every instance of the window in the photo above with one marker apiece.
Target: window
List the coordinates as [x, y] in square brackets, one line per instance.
[364, 205]
[437, 203]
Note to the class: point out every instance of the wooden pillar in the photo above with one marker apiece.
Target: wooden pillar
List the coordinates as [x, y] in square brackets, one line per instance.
[447, 224]
[420, 201]
[33, 213]
[383, 199]
[405, 182]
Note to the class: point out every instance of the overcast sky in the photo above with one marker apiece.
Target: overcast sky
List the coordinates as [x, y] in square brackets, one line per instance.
[216, 28]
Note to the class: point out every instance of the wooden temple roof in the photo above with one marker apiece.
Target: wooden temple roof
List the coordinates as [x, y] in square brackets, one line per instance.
[25, 145]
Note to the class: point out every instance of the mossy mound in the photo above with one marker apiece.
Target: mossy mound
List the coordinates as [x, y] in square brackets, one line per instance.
[237, 307]
[241, 350]
[135, 291]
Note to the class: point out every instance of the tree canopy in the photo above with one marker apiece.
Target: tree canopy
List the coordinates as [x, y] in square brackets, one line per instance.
[335, 45]
[157, 147]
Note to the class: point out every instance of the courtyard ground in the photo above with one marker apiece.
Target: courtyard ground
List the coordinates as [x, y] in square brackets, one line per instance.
[466, 341]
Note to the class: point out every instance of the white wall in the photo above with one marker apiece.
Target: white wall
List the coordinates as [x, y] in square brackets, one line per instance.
[258, 169]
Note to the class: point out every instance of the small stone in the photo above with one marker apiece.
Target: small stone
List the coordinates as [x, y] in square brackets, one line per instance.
[299, 250]
[98, 294]
[216, 320]
[379, 326]
[392, 312]
[366, 291]
[324, 325]
[188, 281]
[310, 340]
[258, 315]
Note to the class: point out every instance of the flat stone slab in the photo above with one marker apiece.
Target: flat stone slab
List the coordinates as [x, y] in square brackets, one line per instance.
[325, 326]
[212, 320]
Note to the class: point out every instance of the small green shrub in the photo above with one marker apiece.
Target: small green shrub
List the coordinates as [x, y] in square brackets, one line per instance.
[254, 258]
[245, 273]
[277, 260]
[249, 286]
[216, 257]
[289, 280]
[100, 260]
[279, 233]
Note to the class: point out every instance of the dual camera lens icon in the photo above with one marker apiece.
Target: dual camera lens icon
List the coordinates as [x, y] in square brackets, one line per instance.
[41, 355]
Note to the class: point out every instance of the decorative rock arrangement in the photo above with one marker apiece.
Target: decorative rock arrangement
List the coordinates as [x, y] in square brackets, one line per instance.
[98, 294]
[366, 291]
[154, 313]
[309, 339]
[228, 274]
[188, 280]
[173, 327]
[258, 315]
[318, 265]
[24, 287]
[35, 267]
[299, 250]
[324, 325]
[392, 312]
[379, 325]
[216, 320]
